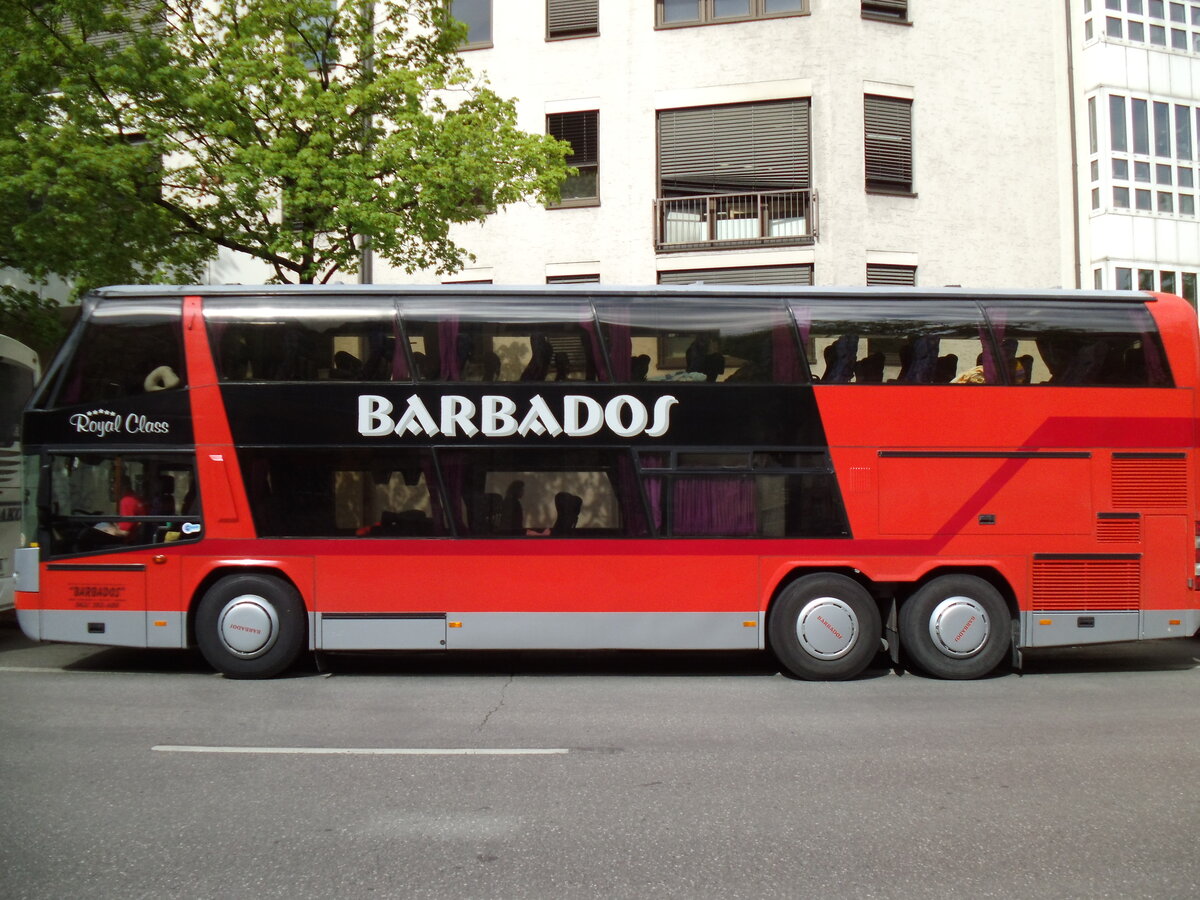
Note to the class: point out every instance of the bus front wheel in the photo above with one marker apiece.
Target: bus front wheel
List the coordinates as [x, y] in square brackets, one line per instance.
[250, 626]
[956, 626]
[824, 627]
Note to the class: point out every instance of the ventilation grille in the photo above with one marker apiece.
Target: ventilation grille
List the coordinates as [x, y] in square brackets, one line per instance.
[1138, 483]
[1124, 530]
[1086, 584]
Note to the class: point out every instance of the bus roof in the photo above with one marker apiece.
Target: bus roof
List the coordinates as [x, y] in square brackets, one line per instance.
[594, 289]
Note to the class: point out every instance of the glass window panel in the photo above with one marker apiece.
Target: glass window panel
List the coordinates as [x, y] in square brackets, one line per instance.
[1187, 204]
[1113, 27]
[779, 6]
[477, 15]
[1134, 7]
[1137, 31]
[1183, 132]
[1145, 279]
[1082, 344]
[1142, 200]
[1116, 124]
[1166, 202]
[1095, 167]
[1166, 282]
[352, 492]
[1158, 35]
[124, 344]
[1120, 169]
[1162, 129]
[1124, 279]
[1162, 174]
[896, 342]
[106, 501]
[1113, 4]
[1156, 9]
[726, 8]
[683, 340]
[303, 341]
[1121, 197]
[1185, 176]
[680, 11]
[1141, 126]
[1179, 39]
[1141, 171]
[1178, 12]
[1189, 287]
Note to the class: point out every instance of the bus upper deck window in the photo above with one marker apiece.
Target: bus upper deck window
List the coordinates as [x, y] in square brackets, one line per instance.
[896, 341]
[127, 348]
[309, 339]
[1079, 345]
[704, 341]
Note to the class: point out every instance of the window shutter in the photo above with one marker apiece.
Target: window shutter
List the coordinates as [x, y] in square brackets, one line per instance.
[734, 149]
[888, 143]
[755, 275]
[892, 9]
[899, 275]
[579, 130]
[568, 18]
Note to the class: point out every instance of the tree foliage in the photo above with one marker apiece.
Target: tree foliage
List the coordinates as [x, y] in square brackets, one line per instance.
[137, 138]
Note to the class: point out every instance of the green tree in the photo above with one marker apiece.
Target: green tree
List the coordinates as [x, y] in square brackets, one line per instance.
[136, 138]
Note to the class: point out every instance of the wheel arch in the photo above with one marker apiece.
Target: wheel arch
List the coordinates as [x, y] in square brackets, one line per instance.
[990, 574]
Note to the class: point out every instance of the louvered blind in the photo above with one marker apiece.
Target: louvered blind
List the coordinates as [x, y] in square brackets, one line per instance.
[881, 274]
[571, 18]
[888, 142]
[748, 275]
[734, 149]
[893, 9]
[579, 130]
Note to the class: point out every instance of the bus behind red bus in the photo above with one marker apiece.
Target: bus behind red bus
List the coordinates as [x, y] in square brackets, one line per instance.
[947, 476]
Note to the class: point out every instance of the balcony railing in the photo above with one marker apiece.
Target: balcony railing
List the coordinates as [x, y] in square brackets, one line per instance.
[736, 220]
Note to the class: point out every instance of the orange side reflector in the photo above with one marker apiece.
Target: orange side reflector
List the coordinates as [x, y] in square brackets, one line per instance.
[160, 624]
[749, 624]
[454, 624]
[1045, 621]
[1175, 622]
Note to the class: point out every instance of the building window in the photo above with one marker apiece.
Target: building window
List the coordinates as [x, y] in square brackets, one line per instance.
[878, 273]
[579, 129]
[889, 151]
[801, 274]
[1124, 279]
[572, 279]
[886, 10]
[477, 16]
[734, 176]
[572, 18]
[675, 13]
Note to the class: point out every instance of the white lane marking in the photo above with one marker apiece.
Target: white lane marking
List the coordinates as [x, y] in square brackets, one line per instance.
[371, 751]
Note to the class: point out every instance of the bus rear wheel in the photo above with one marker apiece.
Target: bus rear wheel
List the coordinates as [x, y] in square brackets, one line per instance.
[250, 626]
[955, 627]
[824, 627]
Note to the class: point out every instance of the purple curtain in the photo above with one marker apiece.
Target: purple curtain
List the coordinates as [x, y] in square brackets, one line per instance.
[654, 486]
[723, 506]
[785, 363]
[454, 472]
[596, 352]
[448, 365]
[400, 370]
[619, 337]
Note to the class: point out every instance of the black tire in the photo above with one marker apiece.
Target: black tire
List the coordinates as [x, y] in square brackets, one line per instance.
[824, 627]
[250, 626]
[956, 627]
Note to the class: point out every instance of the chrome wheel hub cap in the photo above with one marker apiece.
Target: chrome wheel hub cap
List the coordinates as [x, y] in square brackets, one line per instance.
[248, 626]
[959, 627]
[827, 628]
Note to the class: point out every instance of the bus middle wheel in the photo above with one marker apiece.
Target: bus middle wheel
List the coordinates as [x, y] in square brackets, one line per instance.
[956, 627]
[824, 627]
[250, 626]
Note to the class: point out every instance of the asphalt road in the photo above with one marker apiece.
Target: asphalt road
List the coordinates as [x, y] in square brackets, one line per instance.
[140, 774]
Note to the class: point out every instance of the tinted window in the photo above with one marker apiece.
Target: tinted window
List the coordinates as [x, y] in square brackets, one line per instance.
[543, 493]
[100, 502]
[458, 341]
[743, 494]
[686, 340]
[127, 348]
[894, 341]
[342, 493]
[293, 340]
[1079, 344]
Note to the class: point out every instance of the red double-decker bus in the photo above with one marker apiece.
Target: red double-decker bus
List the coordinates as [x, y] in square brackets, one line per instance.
[949, 475]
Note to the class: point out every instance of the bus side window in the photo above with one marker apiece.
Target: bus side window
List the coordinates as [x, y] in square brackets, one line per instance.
[895, 341]
[1080, 345]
